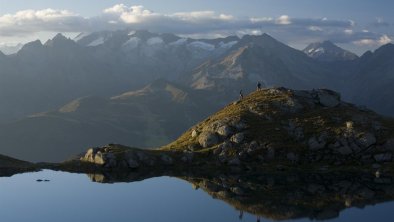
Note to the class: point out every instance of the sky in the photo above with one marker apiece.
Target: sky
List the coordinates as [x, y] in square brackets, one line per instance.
[357, 25]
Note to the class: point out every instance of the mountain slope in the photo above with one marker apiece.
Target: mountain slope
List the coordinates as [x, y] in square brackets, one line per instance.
[373, 79]
[149, 117]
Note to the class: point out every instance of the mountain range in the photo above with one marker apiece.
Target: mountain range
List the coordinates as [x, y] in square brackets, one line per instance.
[144, 89]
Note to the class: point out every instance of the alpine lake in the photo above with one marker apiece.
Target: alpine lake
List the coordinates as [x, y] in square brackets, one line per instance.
[61, 196]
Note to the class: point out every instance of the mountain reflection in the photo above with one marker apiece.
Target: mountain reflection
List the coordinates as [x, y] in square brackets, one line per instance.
[280, 195]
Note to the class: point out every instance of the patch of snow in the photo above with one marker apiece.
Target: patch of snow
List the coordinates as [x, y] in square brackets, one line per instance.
[81, 36]
[202, 45]
[181, 41]
[154, 41]
[319, 50]
[228, 44]
[97, 42]
[132, 43]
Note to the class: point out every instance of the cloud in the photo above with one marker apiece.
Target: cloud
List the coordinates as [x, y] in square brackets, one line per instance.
[379, 22]
[30, 21]
[283, 20]
[382, 40]
[195, 23]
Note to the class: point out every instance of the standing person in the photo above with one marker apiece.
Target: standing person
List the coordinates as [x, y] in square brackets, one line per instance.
[241, 96]
[258, 86]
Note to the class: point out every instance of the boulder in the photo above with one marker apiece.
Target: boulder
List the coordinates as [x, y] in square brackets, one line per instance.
[132, 163]
[345, 150]
[253, 146]
[315, 144]
[99, 158]
[389, 145]
[234, 162]
[366, 140]
[224, 131]
[292, 157]
[167, 160]
[89, 155]
[238, 191]
[194, 134]
[383, 157]
[208, 139]
[238, 138]
[240, 125]
[328, 98]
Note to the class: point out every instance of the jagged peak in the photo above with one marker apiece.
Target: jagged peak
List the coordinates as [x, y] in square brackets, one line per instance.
[59, 40]
[33, 45]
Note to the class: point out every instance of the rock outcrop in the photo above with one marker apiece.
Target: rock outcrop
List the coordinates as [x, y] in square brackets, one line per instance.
[292, 127]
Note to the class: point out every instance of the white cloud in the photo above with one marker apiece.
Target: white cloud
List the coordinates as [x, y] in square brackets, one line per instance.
[30, 21]
[283, 20]
[315, 28]
[133, 14]
[348, 31]
[384, 39]
[365, 42]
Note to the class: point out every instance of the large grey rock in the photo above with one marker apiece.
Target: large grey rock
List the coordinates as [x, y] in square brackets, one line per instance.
[238, 191]
[208, 139]
[132, 163]
[167, 160]
[89, 155]
[225, 131]
[367, 193]
[240, 125]
[328, 98]
[225, 146]
[383, 157]
[292, 157]
[288, 106]
[366, 140]
[270, 153]
[253, 146]
[389, 145]
[238, 138]
[234, 162]
[315, 144]
[345, 150]
[99, 158]
[303, 94]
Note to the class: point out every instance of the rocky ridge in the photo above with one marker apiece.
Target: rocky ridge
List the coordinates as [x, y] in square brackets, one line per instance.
[276, 125]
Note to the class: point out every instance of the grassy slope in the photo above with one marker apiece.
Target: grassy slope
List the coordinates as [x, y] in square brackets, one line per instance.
[313, 120]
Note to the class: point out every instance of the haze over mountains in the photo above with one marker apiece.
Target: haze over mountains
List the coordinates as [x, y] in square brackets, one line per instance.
[144, 89]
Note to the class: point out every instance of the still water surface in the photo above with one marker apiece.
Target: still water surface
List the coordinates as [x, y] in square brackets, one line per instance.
[73, 197]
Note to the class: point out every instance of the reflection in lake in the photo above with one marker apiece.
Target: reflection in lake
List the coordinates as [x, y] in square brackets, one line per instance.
[128, 197]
